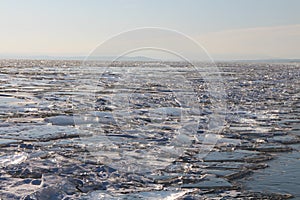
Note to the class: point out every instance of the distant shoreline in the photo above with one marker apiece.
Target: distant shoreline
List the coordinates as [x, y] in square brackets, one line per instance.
[141, 59]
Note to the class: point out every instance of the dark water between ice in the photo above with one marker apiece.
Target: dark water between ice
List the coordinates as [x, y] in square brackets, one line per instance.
[282, 176]
[148, 131]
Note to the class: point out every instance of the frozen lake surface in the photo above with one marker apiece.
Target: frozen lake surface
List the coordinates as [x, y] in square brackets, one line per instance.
[153, 130]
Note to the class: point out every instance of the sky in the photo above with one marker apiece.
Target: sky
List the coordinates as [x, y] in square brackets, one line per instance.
[226, 29]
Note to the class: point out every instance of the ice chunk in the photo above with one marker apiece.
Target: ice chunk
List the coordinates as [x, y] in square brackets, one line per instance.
[151, 195]
[5, 142]
[13, 159]
[61, 120]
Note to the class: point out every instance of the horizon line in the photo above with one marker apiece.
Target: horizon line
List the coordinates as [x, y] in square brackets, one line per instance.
[136, 58]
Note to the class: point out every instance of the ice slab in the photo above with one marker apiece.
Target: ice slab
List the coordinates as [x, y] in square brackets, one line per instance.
[13, 159]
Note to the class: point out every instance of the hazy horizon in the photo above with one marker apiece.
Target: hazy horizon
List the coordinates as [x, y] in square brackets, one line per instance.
[227, 30]
[135, 58]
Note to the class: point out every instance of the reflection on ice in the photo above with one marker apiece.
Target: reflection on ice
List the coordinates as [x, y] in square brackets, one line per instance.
[144, 133]
[13, 159]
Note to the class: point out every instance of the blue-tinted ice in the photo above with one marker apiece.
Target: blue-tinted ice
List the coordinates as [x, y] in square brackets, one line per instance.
[131, 132]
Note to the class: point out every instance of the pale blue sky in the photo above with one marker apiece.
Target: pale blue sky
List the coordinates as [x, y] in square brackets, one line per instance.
[75, 27]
